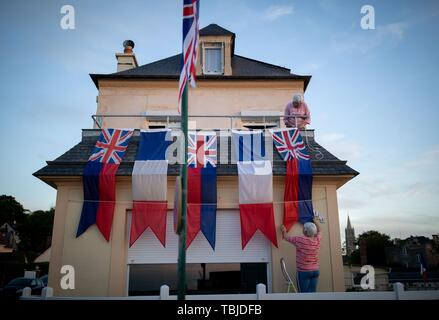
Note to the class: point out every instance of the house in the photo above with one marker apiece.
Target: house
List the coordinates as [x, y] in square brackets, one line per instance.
[44, 257]
[232, 92]
[8, 238]
[405, 253]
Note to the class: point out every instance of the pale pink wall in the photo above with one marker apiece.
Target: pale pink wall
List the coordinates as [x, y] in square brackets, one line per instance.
[211, 98]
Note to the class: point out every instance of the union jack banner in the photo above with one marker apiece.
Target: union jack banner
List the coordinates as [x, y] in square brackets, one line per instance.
[202, 191]
[111, 146]
[298, 176]
[99, 181]
[289, 144]
[190, 45]
[202, 149]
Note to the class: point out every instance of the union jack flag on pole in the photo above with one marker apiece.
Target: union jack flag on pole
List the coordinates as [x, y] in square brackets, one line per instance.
[190, 45]
[188, 72]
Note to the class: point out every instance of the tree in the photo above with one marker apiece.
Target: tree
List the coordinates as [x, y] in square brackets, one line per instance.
[34, 229]
[35, 232]
[376, 244]
[354, 258]
[11, 211]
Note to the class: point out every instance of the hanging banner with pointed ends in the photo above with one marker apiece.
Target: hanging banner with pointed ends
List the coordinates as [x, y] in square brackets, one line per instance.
[149, 185]
[202, 192]
[99, 181]
[255, 186]
[298, 179]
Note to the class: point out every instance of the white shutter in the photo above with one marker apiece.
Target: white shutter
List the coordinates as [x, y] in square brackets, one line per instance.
[148, 249]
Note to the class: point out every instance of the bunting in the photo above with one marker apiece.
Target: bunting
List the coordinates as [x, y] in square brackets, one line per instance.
[149, 185]
[255, 186]
[99, 181]
[298, 179]
[202, 192]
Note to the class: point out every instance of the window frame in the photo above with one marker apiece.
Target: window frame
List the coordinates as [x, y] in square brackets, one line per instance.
[213, 45]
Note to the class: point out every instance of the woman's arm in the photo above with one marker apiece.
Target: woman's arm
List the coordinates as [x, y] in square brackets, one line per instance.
[287, 119]
[286, 237]
[284, 231]
[307, 113]
[317, 223]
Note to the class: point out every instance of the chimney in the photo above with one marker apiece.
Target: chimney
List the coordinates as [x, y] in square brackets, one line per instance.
[126, 60]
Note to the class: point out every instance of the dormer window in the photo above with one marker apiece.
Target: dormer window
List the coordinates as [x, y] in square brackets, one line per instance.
[213, 54]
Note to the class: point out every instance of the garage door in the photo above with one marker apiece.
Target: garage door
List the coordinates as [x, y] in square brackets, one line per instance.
[148, 249]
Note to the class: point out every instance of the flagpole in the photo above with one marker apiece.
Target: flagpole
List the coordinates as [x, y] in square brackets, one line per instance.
[183, 174]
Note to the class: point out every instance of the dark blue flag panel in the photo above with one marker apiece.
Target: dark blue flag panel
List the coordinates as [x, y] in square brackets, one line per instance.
[209, 204]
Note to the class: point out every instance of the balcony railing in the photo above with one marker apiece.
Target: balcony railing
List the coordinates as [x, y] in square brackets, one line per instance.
[262, 121]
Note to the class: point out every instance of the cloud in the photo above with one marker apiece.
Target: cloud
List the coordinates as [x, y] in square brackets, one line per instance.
[393, 30]
[340, 146]
[428, 158]
[310, 66]
[347, 203]
[366, 41]
[275, 12]
[399, 199]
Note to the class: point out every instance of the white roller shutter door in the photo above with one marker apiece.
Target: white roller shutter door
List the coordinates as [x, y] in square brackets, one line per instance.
[148, 249]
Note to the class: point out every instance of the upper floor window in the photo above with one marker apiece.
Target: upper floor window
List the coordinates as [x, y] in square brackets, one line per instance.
[213, 54]
[158, 119]
[260, 119]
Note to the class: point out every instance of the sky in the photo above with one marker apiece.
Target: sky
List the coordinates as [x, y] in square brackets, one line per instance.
[373, 94]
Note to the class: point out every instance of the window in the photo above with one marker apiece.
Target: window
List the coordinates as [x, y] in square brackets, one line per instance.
[158, 119]
[213, 58]
[227, 269]
[260, 119]
[201, 278]
[259, 126]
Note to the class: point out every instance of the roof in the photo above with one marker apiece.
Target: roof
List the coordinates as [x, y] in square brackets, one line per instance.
[215, 30]
[243, 68]
[72, 162]
[169, 69]
[44, 257]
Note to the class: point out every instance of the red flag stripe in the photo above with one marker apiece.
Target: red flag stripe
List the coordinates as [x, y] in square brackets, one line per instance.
[149, 214]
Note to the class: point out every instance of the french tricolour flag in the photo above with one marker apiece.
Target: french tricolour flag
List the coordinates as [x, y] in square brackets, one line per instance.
[255, 186]
[149, 184]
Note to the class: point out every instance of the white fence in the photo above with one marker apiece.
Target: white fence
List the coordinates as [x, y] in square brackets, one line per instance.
[398, 293]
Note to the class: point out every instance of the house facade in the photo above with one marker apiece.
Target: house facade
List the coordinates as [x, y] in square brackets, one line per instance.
[232, 92]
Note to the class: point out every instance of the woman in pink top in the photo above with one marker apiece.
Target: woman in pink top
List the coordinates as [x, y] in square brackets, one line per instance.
[297, 113]
[307, 255]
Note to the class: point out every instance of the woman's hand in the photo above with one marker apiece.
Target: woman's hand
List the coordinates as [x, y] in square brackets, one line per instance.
[283, 230]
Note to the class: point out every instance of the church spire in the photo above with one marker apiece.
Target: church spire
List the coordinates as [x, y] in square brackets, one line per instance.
[350, 237]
